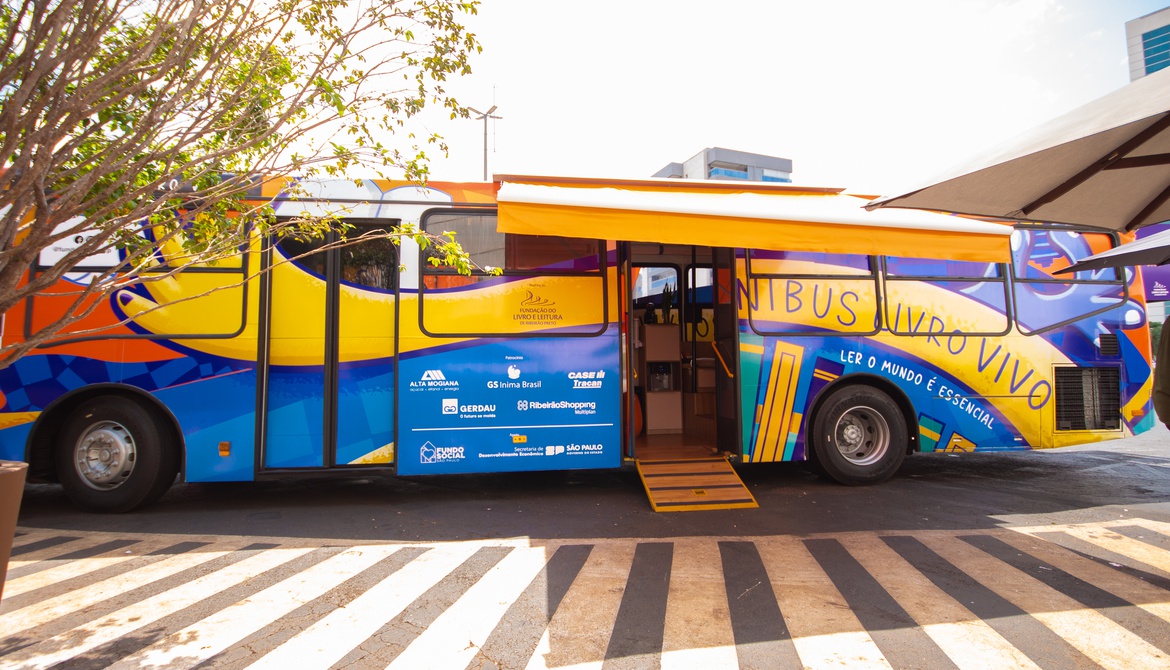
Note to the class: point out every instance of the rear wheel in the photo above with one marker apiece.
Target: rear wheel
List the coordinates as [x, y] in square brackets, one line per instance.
[859, 436]
[111, 456]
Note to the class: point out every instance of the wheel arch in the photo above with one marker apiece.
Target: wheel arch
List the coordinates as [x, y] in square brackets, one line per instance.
[46, 429]
[882, 384]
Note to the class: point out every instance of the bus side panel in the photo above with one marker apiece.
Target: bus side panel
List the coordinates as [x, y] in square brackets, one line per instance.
[14, 436]
[211, 411]
[518, 404]
[791, 373]
[212, 399]
[969, 389]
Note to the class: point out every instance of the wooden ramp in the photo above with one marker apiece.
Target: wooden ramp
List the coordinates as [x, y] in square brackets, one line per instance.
[686, 485]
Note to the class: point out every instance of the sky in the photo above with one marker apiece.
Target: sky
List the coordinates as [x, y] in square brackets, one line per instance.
[862, 95]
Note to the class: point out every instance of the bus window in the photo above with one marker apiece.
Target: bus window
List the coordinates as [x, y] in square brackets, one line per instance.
[208, 300]
[809, 293]
[698, 304]
[921, 295]
[369, 263]
[652, 285]
[1045, 300]
[547, 285]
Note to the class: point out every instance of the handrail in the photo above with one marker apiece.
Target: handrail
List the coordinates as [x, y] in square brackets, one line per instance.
[721, 361]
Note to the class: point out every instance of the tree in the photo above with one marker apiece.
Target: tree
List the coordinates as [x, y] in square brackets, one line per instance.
[130, 126]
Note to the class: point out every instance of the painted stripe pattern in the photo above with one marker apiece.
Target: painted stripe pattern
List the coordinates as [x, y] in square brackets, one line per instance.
[1071, 596]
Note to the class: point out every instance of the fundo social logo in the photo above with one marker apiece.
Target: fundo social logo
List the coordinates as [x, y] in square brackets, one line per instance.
[429, 453]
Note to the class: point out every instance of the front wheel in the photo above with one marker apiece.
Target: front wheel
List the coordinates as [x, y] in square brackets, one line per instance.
[859, 436]
[111, 457]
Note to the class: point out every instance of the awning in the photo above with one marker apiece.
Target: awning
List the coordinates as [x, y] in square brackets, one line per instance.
[739, 214]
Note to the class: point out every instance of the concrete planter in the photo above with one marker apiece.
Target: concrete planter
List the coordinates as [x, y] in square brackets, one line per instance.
[11, 489]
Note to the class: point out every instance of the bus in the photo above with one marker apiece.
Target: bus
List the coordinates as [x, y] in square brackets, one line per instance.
[682, 327]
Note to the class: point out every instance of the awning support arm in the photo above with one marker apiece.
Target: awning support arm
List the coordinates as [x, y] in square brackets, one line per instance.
[1102, 164]
[1149, 209]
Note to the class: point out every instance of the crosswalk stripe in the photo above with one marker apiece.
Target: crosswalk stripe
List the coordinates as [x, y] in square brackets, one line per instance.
[394, 636]
[46, 610]
[516, 636]
[1102, 556]
[87, 566]
[452, 640]
[1150, 537]
[72, 563]
[37, 546]
[1102, 640]
[1149, 597]
[212, 634]
[896, 634]
[636, 638]
[87, 637]
[326, 642]
[1149, 627]
[970, 643]
[698, 624]
[761, 637]
[1157, 526]
[254, 646]
[824, 631]
[997, 599]
[1017, 626]
[1118, 543]
[579, 631]
[66, 570]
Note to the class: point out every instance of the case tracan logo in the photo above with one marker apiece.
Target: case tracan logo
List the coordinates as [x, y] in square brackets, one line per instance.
[587, 380]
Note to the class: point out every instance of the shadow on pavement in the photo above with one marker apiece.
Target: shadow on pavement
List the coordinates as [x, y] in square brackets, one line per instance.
[932, 492]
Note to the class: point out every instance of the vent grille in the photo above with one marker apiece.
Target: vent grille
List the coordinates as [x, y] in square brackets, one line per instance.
[1088, 399]
[1109, 345]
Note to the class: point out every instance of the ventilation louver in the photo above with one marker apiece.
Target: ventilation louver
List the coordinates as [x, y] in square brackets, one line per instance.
[1109, 345]
[1088, 398]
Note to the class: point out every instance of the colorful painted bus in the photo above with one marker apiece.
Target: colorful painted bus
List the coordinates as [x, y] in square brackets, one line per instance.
[672, 324]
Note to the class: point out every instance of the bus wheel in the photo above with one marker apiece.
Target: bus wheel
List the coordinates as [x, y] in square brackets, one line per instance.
[859, 436]
[111, 456]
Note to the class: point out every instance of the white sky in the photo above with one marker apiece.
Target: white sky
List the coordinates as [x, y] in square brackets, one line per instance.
[867, 95]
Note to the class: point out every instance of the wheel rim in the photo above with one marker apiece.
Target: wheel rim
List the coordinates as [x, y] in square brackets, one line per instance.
[105, 455]
[862, 436]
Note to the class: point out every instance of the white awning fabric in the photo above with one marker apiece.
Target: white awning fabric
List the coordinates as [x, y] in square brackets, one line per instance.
[739, 214]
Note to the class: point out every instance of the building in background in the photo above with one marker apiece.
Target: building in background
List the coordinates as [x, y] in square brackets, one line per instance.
[728, 164]
[1148, 41]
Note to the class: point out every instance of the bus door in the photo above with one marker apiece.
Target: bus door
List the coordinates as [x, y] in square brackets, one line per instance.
[725, 346]
[331, 321]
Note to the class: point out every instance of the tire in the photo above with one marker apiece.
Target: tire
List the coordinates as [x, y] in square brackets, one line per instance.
[111, 456]
[859, 436]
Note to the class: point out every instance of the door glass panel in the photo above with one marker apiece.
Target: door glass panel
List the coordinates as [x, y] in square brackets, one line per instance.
[296, 393]
[365, 376]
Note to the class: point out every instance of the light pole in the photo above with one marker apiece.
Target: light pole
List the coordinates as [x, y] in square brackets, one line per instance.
[485, 116]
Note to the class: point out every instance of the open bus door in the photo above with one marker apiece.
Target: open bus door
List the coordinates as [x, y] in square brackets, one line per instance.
[685, 365]
[728, 429]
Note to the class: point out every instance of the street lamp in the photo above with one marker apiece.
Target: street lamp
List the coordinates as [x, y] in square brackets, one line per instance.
[485, 116]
